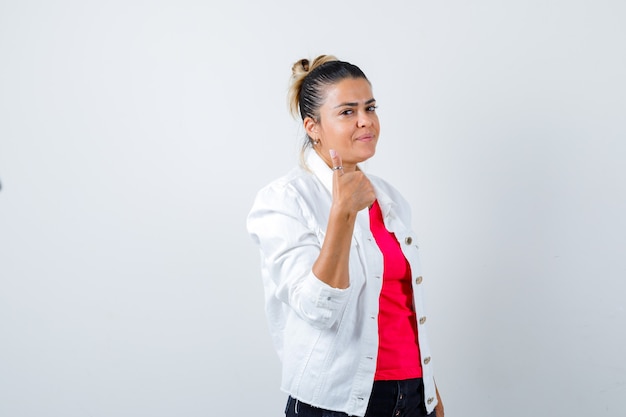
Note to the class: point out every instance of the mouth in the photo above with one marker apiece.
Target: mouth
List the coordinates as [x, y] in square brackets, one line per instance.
[368, 137]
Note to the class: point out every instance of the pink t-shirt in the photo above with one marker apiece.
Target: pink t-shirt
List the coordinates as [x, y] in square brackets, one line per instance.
[398, 351]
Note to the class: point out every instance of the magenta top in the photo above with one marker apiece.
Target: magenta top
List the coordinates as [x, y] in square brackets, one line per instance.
[398, 351]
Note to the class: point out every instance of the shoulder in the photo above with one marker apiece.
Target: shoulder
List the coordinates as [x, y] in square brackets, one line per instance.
[289, 190]
[286, 204]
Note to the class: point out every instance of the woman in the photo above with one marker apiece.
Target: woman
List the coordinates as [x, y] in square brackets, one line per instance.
[340, 264]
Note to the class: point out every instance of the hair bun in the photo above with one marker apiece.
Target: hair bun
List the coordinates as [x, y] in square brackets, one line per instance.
[322, 59]
[299, 71]
[301, 66]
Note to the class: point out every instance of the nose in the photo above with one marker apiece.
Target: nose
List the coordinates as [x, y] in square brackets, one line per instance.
[364, 119]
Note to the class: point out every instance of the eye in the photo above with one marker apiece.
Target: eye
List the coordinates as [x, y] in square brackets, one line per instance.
[372, 108]
[347, 112]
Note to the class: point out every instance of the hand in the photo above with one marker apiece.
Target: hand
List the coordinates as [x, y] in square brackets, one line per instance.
[352, 191]
[439, 410]
[439, 406]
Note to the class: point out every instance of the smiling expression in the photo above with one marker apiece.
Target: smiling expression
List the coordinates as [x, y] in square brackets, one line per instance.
[347, 122]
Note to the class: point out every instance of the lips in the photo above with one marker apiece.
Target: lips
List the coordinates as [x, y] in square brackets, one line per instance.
[366, 137]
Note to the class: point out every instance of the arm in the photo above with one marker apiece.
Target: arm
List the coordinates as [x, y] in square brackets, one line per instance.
[297, 271]
[352, 192]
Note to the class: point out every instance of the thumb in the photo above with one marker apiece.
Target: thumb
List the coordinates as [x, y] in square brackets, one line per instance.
[336, 159]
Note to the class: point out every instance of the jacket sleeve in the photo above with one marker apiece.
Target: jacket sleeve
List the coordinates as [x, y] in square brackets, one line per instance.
[290, 241]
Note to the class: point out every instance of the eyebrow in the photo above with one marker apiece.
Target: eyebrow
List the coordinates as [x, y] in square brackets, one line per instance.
[354, 104]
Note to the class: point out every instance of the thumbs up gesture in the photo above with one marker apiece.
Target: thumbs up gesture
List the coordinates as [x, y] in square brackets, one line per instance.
[352, 191]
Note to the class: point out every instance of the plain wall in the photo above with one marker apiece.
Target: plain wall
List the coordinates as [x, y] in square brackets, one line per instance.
[134, 135]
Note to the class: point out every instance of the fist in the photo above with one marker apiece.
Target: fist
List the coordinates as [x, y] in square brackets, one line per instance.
[352, 191]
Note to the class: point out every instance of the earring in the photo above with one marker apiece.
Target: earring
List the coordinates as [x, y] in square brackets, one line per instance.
[316, 142]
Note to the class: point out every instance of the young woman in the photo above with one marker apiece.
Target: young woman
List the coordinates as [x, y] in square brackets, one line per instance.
[340, 264]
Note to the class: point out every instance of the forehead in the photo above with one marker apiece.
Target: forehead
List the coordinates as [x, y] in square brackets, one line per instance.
[349, 90]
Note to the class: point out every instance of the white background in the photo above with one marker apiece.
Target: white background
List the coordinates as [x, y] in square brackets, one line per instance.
[134, 134]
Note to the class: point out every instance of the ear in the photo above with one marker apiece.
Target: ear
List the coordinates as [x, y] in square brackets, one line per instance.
[310, 125]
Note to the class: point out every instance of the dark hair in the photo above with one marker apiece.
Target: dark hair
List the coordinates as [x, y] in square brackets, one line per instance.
[308, 81]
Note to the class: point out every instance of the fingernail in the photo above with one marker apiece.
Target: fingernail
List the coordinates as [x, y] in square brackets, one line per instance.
[332, 153]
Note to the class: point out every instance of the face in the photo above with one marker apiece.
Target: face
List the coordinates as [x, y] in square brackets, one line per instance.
[347, 123]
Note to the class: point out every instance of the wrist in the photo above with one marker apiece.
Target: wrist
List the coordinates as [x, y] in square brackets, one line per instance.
[342, 212]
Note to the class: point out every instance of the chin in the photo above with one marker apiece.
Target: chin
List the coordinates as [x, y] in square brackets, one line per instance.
[361, 155]
[368, 155]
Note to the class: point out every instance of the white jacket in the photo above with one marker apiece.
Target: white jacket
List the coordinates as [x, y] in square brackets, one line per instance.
[327, 338]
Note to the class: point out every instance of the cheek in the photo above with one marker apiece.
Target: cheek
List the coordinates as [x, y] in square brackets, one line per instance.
[340, 133]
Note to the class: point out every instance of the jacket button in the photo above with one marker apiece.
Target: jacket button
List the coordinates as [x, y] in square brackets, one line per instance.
[426, 360]
[408, 240]
[422, 319]
[418, 280]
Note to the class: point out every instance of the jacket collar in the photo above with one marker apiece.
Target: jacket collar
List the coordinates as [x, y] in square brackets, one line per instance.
[316, 164]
